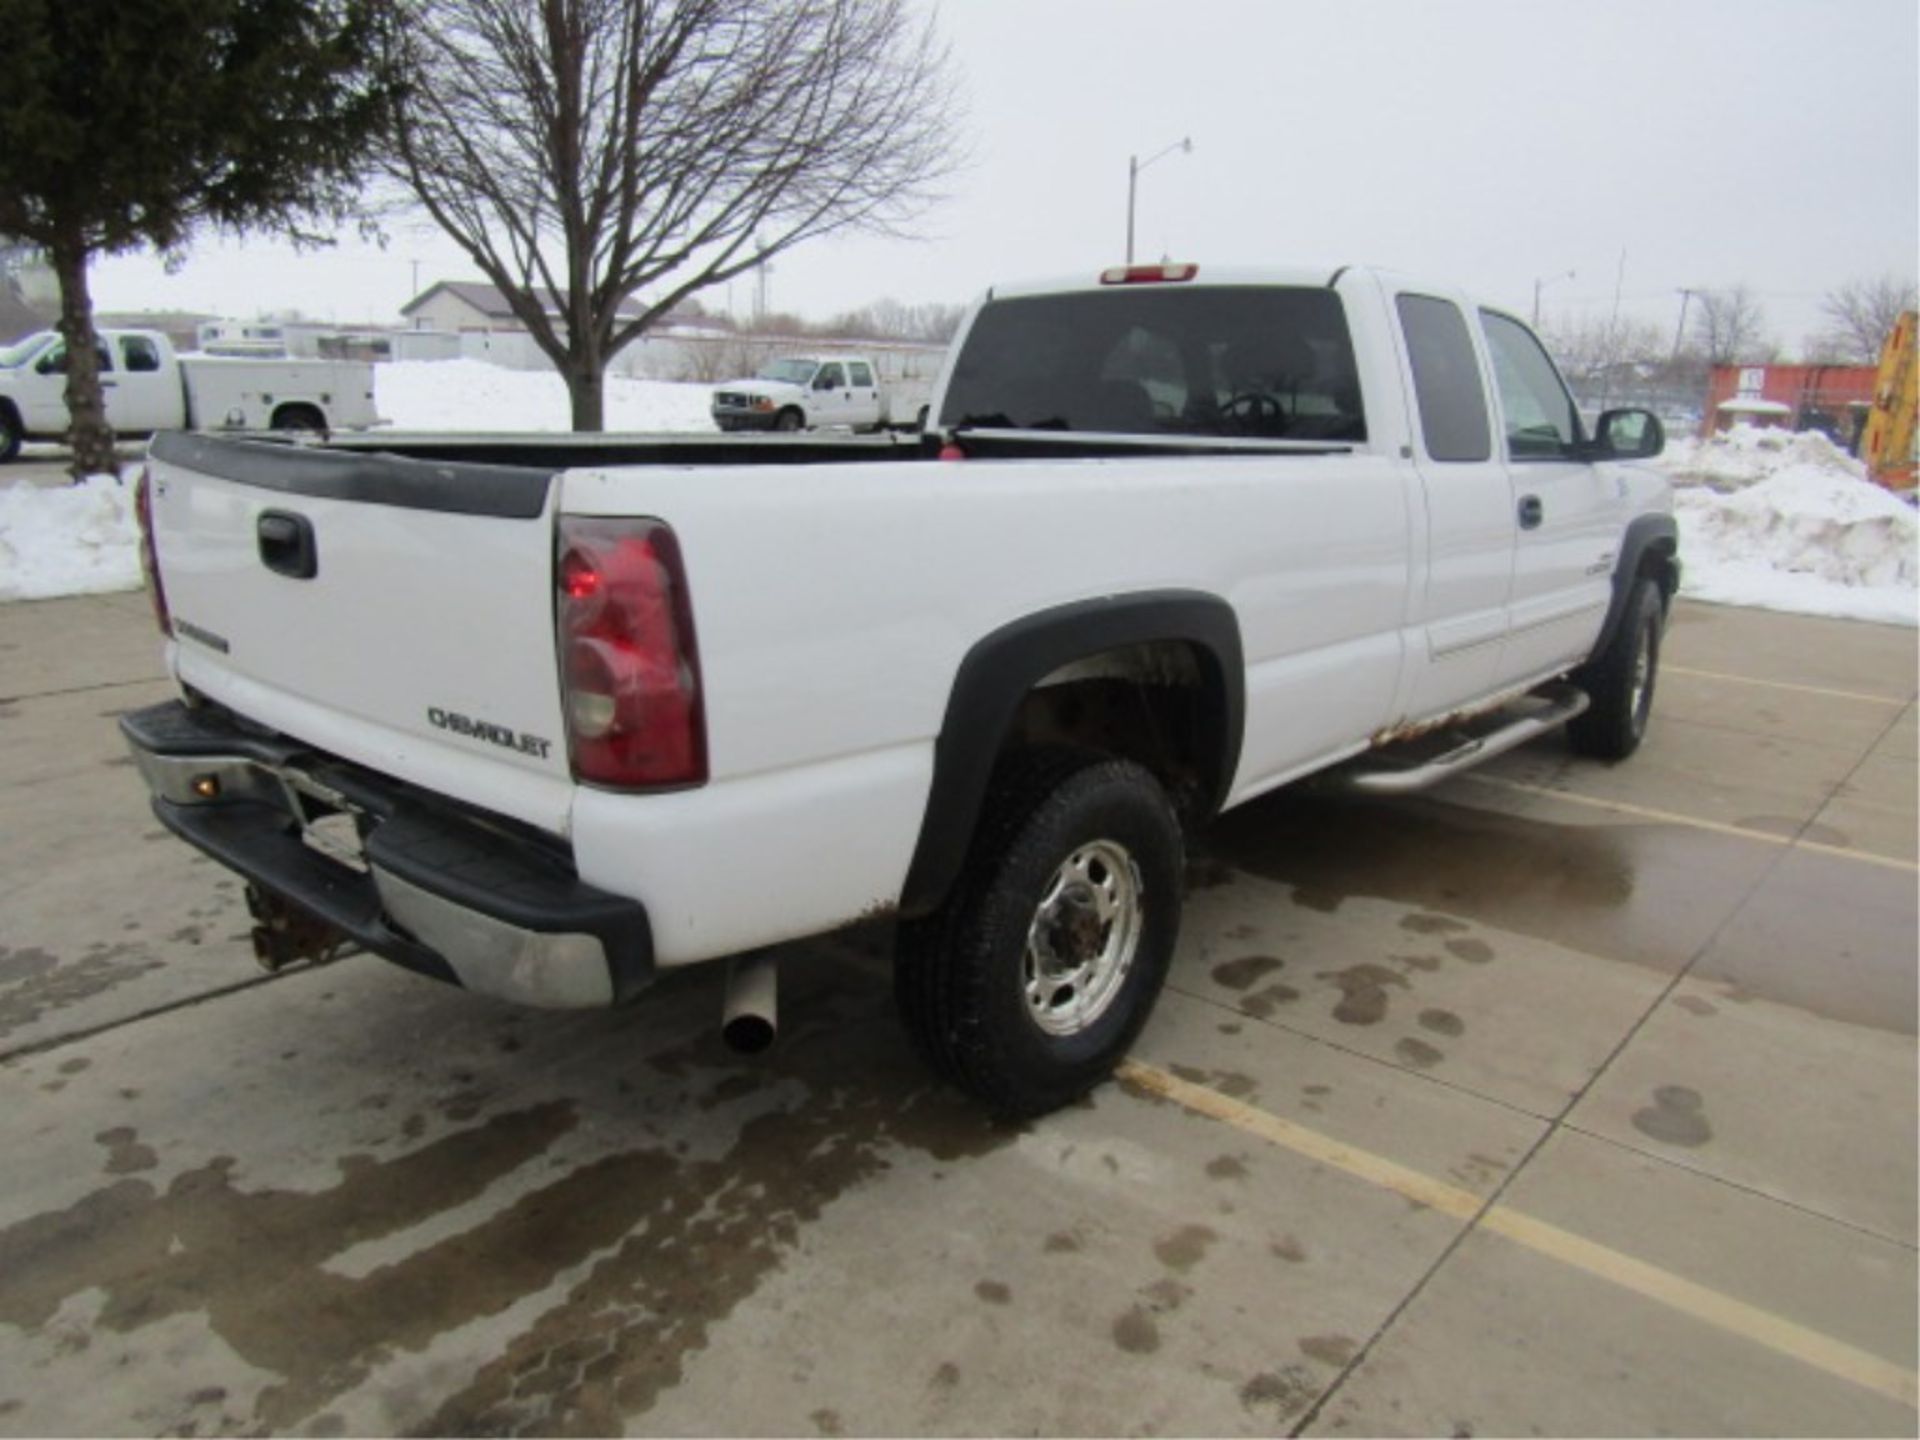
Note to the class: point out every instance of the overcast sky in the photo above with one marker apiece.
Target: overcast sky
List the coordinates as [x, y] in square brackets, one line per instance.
[1490, 142]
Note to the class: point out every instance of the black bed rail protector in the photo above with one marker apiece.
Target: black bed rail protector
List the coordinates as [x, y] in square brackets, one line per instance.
[456, 487]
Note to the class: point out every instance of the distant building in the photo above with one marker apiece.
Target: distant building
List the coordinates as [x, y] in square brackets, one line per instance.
[1833, 399]
[466, 307]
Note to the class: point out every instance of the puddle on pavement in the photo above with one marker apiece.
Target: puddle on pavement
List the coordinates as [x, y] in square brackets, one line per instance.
[671, 1243]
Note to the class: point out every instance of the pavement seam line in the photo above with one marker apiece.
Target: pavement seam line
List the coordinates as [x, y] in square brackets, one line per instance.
[1859, 695]
[1718, 827]
[82, 689]
[1688, 1297]
[74, 1037]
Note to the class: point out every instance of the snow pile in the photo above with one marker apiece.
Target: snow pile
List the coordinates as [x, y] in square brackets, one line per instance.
[471, 395]
[68, 540]
[1787, 521]
[1745, 456]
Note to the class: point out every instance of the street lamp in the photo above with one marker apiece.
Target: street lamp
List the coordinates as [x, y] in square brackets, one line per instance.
[1538, 285]
[1134, 166]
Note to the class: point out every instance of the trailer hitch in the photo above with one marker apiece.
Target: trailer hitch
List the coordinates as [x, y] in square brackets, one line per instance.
[284, 934]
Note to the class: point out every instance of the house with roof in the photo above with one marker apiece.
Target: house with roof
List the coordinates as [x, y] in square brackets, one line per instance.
[471, 307]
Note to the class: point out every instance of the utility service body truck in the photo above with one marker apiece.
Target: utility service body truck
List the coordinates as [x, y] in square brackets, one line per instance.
[818, 392]
[148, 388]
[544, 717]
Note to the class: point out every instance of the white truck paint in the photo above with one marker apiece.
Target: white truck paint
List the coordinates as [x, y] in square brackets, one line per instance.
[1378, 509]
[816, 392]
[148, 388]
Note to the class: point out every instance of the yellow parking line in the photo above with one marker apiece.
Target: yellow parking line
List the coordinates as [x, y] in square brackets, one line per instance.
[1671, 817]
[1859, 695]
[1724, 1312]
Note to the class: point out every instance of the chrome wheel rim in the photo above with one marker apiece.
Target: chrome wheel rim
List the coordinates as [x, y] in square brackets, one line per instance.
[1642, 685]
[1083, 938]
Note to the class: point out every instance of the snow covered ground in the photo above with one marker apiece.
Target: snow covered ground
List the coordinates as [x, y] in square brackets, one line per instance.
[1769, 519]
[1786, 521]
[70, 540]
[473, 395]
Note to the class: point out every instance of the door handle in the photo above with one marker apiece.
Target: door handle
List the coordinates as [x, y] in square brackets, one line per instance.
[1532, 512]
[287, 546]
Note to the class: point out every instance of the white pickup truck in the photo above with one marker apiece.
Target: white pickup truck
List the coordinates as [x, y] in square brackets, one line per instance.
[543, 717]
[817, 392]
[148, 388]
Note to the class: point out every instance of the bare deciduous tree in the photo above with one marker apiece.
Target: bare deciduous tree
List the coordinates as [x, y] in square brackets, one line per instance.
[585, 151]
[1590, 350]
[1861, 313]
[1730, 327]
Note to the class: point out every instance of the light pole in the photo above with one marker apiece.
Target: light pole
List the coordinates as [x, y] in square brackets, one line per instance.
[1540, 284]
[1134, 166]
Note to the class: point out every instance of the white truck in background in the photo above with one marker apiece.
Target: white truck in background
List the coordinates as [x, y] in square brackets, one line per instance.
[148, 388]
[818, 392]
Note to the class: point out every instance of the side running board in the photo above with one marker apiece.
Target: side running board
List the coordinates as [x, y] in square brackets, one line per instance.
[1563, 703]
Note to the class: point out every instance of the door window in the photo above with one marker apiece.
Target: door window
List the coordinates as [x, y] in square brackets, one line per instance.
[862, 376]
[139, 355]
[1446, 379]
[1541, 419]
[831, 377]
[54, 362]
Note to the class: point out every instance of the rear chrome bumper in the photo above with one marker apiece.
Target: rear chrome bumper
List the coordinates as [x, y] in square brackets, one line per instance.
[462, 897]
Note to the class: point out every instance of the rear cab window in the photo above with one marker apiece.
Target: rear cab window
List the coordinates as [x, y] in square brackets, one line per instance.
[1266, 362]
[1446, 379]
[139, 355]
[862, 376]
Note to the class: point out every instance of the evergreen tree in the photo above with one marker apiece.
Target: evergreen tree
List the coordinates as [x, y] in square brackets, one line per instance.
[129, 123]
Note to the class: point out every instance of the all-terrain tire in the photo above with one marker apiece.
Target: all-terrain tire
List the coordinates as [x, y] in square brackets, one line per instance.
[1620, 680]
[962, 975]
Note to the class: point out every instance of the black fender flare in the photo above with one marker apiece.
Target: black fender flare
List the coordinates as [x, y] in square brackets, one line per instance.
[1651, 541]
[1000, 669]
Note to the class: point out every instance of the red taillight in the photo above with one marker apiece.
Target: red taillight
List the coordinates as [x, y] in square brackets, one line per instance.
[629, 669]
[1147, 274]
[149, 556]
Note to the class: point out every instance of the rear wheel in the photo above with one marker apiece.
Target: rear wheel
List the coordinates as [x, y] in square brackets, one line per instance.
[12, 435]
[1029, 983]
[1620, 680]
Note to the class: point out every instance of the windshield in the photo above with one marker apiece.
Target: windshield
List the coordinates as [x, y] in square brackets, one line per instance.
[22, 351]
[793, 372]
[1267, 361]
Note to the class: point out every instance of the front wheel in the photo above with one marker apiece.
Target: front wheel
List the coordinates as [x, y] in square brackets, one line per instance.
[789, 420]
[1028, 985]
[1619, 681]
[12, 435]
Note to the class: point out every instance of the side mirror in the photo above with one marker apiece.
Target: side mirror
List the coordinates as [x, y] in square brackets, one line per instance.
[1626, 435]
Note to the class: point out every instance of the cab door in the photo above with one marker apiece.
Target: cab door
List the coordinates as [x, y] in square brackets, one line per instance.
[1571, 511]
[147, 392]
[863, 397]
[830, 398]
[45, 401]
[1470, 522]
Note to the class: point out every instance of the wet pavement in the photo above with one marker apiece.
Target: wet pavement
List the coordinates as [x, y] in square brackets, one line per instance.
[1564, 1099]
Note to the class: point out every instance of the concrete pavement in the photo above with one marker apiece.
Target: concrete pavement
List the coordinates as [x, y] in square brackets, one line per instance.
[1564, 1099]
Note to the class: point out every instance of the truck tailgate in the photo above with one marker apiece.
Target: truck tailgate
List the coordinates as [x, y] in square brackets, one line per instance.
[398, 613]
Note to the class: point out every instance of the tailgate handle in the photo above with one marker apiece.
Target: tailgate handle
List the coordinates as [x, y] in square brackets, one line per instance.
[286, 545]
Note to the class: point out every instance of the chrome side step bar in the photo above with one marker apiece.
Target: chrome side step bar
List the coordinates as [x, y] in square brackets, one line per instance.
[1564, 702]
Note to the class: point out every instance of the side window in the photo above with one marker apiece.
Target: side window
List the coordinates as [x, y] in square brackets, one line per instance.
[139, 355]
[54, 362]
[1446, 379]
[1541, 419]
[831, 377]
[862, 376]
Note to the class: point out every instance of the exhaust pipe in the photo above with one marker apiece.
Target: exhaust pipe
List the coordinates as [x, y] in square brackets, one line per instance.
[749, 1019]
